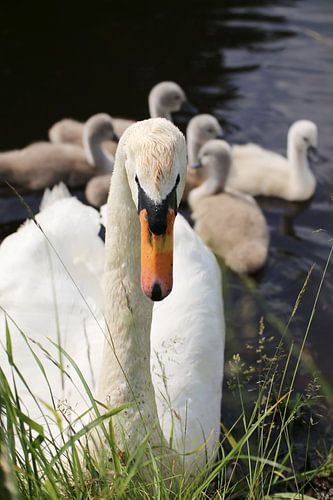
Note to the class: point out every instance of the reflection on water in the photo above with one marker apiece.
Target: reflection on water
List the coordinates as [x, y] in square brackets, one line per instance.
[258, 67]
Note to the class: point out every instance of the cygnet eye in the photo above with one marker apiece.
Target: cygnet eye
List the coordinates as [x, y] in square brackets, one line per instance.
[210, 130]
[305, 139]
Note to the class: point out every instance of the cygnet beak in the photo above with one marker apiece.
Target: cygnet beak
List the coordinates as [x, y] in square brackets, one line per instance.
[187, 107]
[114, 137]
[315, 156]
[196, 165]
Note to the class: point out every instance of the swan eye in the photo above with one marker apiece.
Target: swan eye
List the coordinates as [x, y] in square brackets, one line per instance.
[137, 180]
[177, 180]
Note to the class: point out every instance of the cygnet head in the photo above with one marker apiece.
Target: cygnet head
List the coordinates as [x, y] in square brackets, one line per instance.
[99, 127]
[303, 134]
[200, 129]
[155, 162]
[166, 98]
[215, 160]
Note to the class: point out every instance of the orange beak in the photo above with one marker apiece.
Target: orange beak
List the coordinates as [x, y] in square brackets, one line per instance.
[156, 258]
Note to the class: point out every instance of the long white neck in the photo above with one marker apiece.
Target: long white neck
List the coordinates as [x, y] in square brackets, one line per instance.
[302, 179]
[125, 372]
[96, 155]
[156, 110]
[297, 156]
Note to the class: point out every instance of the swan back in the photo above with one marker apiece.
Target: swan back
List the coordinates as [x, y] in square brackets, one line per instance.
[50, 196]
[50, 282]
[44, 164]
[235, 228]
[66, 130]
[97, 190]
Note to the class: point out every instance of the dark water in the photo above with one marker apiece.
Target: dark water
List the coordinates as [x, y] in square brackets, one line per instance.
[258, 67]
[290, 77]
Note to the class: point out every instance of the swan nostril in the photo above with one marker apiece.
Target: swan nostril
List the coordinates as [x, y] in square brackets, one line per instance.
[156, 293]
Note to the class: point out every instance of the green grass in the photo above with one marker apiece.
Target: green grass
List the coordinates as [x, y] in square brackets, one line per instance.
[257, 459]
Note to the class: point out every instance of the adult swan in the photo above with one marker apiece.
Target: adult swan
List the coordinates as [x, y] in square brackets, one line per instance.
[184, 333]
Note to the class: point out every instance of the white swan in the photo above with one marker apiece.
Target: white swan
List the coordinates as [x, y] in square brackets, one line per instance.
[230, 223]
[187, 327]
[262, 172]
[164, 99]
[44, 164]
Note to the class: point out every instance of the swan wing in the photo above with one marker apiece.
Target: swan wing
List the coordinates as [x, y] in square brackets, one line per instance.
[258, 171]
[50, 289]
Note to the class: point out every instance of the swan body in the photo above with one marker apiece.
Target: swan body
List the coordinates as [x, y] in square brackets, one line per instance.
[262, 172]
[39, 273]
[230, 223]
[44, 164]
[134, 329]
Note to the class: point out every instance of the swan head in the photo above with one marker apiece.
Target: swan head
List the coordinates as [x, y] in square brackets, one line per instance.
[155, 162]
[203, 128]
[99, 127]
[303, 134]
[166, 98]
